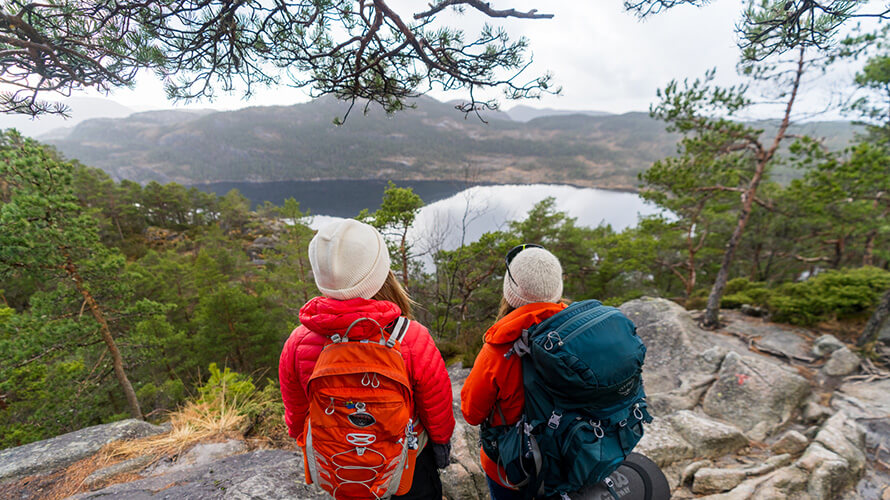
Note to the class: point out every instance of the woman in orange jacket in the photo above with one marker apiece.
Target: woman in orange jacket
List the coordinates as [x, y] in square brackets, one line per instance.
[493, 391]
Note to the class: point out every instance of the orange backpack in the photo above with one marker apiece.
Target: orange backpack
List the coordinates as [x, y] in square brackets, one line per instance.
[362, 436]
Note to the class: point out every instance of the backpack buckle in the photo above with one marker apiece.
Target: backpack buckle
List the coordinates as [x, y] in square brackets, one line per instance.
[553, 423]
[597, 429]
[638, 413]
[553, 340]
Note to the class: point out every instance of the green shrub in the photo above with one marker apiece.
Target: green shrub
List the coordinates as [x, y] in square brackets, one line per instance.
[163, 397]
[740, 291]
[698, 299]
[450, 350]
[473, 346]
[225, 388]
[736, 285]
[226, 383]
[624, 297]
[842, 294]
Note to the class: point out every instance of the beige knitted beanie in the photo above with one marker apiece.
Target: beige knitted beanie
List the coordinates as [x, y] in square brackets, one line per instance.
[537, 275]
[349, 259]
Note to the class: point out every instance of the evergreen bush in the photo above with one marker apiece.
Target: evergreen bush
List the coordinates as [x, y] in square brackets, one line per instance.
[834, 294]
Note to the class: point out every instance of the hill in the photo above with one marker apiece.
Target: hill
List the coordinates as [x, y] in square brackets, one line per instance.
[81, 109]
[522, 113]
[430, 142]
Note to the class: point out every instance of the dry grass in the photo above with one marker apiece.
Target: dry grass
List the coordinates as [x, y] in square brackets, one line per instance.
[230, 409]
[193, 424]
[197, 422]
[69, 481]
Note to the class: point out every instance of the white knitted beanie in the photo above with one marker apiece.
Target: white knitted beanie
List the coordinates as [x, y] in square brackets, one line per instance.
[349, 259]
[538, 277]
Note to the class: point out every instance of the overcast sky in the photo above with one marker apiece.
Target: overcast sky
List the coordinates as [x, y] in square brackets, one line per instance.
[604, 58]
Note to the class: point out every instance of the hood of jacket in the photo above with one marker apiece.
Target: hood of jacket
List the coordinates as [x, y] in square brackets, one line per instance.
[510, 327]
[327, 316]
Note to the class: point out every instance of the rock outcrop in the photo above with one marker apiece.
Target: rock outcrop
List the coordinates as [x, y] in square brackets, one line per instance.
[751, 392]
[263, 474]
[61, 451]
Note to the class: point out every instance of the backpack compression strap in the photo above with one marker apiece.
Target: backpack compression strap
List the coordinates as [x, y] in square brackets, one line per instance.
[520, 346]
[398, 331]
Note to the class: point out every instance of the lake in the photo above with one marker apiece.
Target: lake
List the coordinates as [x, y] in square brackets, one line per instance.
[453, 210]
[340, 198]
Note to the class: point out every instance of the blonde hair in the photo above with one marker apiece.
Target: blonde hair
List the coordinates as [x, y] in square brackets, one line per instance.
[504, 309]
[394, 292]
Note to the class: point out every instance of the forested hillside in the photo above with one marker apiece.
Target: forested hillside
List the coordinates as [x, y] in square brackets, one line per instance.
[430, 142]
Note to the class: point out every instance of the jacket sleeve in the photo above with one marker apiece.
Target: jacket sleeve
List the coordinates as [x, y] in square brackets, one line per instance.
[432, 385]
[296, 404]
[480, 391]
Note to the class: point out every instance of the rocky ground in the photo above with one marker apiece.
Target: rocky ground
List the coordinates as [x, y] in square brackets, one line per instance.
[753, 411]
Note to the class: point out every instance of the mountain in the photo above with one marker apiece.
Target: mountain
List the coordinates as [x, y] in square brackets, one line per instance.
[433, 141]
[523, 113]
[81, 109]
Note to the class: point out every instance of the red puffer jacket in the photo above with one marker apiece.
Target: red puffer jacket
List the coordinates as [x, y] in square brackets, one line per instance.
[321, 318]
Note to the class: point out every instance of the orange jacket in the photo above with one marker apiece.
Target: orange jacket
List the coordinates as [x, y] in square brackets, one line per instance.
[496, 379]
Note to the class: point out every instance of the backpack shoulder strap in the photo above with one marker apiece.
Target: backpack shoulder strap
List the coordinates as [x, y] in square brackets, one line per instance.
[398, 331]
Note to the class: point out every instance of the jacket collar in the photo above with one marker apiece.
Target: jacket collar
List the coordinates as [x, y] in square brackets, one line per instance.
[327, 316]
[510, 327]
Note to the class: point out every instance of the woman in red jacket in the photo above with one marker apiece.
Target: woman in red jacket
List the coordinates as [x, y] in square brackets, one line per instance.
[493, 391]
[351, 266]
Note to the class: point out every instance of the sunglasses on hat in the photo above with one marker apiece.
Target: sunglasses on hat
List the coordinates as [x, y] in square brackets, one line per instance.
[512, 255]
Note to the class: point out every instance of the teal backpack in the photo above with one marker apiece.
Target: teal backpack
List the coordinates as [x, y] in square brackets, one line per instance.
[584, 402]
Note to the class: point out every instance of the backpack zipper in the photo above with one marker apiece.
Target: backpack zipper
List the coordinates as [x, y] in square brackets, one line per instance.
[570, 312]
[579, 423]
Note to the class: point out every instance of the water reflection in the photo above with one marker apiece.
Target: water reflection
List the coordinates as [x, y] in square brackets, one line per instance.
[471, 213]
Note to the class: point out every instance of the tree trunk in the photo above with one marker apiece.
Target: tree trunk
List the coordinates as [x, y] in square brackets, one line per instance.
[403, 251]
[868, 256]
[690, 282]
[878, 319]
[764, 276]
[755, 262]
[116, 359]
[691, 250]
[839, 246]
[712, 313]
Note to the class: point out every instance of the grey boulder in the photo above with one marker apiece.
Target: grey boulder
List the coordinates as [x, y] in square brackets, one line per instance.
[791, 442]
[826, 345]
[841, 363]
[62, 451]
[708, 437]
[673, 344]
[710, 480]
[200, 454]
[752, 391]
[263, 474]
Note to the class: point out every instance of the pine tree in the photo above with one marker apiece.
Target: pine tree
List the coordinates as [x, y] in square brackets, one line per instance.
[45, 233]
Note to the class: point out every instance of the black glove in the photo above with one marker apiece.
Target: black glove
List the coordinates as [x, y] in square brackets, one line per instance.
[442, 453]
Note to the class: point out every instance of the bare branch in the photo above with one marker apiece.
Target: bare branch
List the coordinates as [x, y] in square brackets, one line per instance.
[203, 46]
[483, 7]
